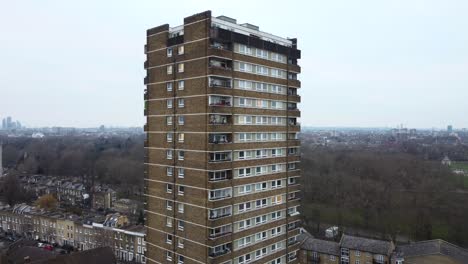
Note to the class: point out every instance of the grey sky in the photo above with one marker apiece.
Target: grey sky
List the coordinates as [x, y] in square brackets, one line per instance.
[365, 62]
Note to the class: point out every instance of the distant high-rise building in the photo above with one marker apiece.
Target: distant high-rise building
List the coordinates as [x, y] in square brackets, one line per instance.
[450, 129]
[1, 159]
[4, 125]
[222, 150]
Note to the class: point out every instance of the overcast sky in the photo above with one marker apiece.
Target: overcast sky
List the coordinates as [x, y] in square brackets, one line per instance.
[364, 62]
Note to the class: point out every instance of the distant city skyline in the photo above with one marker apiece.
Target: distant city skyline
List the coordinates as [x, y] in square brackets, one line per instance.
[364, 63]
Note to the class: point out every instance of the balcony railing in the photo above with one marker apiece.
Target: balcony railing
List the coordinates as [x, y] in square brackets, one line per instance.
[227, 196]
[220, 83]
[214, 217]
[220, 253]
[146, 80]
[225, 65]
[214, 236]
[222, 103]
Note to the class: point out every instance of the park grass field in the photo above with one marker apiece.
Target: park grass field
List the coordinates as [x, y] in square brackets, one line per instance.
[459, 165]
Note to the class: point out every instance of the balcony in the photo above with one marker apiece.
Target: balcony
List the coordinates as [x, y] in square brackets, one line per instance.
[292, 106]
[214, 215]
[146, 65]
[146, 80]
[220, 194]
[220, 64]
[293, 122]
[220, 82]
[146, 95]
[145, 128]
[214, 176]
[220, 101]
[219, 157]
[220, 120]
[220, 138]
[219, 253]
[220, 46]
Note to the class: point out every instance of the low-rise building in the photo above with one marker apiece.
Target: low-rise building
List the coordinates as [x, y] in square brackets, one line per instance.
[127, 206]
[315, 250]
[83, 233]
[431, 251]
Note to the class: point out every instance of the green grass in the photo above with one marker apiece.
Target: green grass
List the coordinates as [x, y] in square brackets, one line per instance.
[458, 165]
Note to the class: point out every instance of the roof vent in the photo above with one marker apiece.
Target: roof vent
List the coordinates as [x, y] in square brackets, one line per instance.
[254, 27]
[228, 19]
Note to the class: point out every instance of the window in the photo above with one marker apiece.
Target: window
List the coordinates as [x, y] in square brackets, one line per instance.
[169, 86]
[181, 155]
[181, 102]
[180, 225]
[357, 261]
[169, 52]
[169, 171]
[277, 199]
[244, 207]
[261, 236]
[181, 85]
[169, 188]
[245, 189]
[169, 205]
[169, 222]
[169, 69]
[181, 137]
[244, 224]
[169, 154]
[180, 208]
[180, 50]
[181, 172]
[357, 253]
[332, 258]
[180, 67]
[169, 120]
[181, 190]
[169, 239]
[169, 103]
[169, 137]
[180, 243]
[244, 241]
[261, 203]
[344, 252]
[181, 120]
[169, 255]
[180, 260]
[260, 219]
[260, 186]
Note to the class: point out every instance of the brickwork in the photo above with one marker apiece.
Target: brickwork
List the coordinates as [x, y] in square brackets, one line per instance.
[185, 56]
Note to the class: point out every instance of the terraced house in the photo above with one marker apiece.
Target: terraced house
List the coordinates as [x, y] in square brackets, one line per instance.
[222, 174]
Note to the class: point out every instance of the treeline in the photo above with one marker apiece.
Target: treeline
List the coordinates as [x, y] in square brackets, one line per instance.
[391, 193]
[113, 160]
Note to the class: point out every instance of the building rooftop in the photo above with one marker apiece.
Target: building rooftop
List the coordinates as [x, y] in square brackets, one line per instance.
[318, 245]
[432, 247]
[231, 24]
[366, 244]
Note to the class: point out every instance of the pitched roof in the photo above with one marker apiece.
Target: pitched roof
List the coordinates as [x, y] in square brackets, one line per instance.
[367, 245]
[433, 247]
[317, 245]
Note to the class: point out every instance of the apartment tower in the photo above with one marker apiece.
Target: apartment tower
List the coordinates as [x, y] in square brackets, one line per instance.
[222, 150]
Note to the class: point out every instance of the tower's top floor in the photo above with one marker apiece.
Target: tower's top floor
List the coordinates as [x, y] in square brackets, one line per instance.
[226, 28]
